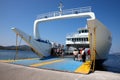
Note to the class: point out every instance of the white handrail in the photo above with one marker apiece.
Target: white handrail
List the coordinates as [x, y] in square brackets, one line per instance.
[65, 12]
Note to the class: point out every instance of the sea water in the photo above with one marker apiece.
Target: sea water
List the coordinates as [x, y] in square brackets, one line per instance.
[11, 54]
[113, 63]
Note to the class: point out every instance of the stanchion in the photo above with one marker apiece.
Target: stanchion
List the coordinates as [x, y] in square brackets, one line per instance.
[17, 45]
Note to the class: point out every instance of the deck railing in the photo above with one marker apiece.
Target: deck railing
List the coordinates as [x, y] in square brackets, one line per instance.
[65, 12]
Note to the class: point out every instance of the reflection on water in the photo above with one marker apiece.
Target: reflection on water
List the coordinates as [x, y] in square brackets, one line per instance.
[111, 64]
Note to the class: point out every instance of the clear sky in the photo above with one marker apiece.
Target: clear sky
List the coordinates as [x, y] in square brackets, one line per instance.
[22, 13]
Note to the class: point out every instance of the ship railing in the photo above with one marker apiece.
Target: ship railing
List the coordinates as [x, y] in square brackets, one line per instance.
[65, 12]
[77, 42]
[72, 34]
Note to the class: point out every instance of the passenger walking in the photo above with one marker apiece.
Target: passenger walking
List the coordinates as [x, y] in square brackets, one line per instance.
[80, 55]
[83, 55]
[52, 51]
[88, 54]
[55, 52]
[62, 51]
[58, 52]
[75, 53]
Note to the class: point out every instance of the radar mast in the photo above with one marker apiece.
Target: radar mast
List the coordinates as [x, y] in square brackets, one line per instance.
[60, 8]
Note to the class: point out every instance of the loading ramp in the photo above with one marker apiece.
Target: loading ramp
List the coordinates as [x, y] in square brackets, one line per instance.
[86, 67]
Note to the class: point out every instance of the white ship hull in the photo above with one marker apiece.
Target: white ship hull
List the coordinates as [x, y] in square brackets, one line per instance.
[41, 48]
[103, 39]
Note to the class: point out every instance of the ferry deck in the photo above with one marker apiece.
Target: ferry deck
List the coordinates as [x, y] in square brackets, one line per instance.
[57, 64]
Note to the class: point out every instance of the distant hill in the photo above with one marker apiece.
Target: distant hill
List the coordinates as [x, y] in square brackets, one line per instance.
[21, 47]
[1, 47]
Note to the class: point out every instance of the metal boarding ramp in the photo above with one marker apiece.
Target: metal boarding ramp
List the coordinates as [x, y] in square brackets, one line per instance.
[88, 66]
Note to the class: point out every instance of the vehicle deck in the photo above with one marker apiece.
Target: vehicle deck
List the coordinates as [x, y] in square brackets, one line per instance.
[58, 64]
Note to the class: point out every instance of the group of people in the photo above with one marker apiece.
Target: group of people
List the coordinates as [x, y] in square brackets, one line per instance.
[81, 54]
[58, 51]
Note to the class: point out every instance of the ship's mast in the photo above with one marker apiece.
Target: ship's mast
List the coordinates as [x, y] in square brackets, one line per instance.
[60, 8]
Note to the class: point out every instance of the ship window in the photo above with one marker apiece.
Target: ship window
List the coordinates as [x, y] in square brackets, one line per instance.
[82, 31]
[84, 39]
[77, 39]
[81, 39]
[73, 39]
[68, 39]
[86, 31]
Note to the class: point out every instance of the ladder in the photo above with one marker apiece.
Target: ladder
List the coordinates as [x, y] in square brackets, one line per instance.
[93, 57]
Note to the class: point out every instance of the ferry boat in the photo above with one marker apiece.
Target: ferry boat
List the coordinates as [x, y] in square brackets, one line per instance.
[78, 39]
[43, 47]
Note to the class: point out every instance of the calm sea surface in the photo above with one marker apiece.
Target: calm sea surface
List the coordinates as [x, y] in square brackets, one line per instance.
[112, 64]
[10, 54]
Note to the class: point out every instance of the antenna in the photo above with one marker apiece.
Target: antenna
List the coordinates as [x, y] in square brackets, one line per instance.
[60, 7]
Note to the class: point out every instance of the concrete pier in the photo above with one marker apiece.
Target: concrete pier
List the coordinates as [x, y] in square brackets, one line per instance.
[17, 72]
